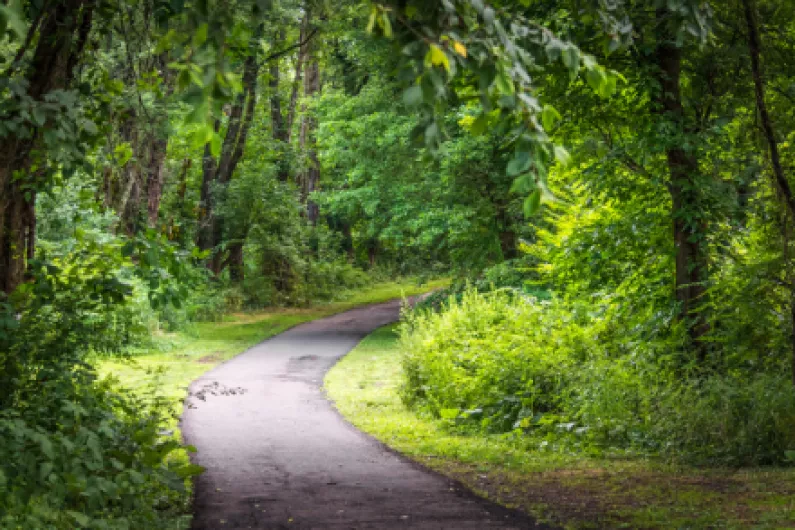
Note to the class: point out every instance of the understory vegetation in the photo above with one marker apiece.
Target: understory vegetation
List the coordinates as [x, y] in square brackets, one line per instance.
[577, 488]
[608, 183]
[575, 378]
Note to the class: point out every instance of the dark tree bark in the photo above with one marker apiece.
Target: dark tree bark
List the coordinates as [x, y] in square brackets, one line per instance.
[780, 180]
[308, 141]
[220, 173]
[754, 47]
[154, 184]
[299, 69]
[158, 148]
[688, 230]
[235, 261]
[278, 126]
[62, 35]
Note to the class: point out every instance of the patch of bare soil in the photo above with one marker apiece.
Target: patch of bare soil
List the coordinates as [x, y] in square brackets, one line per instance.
[211, 358]
[601, 498]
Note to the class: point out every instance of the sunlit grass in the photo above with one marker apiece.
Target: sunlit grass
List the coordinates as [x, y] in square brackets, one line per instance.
[575, 492]
[182, 357]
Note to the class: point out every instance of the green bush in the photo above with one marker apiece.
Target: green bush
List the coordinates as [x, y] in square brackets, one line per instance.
[588, 374]
[76, 453]
[489, 358]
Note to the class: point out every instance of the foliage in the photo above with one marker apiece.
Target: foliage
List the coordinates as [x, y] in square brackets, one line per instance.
[79, 453]
[563, 489]
[574, 375]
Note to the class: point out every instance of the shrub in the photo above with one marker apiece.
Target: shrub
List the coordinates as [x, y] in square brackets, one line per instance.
[488, 358]
[75, 453]
[589, 374]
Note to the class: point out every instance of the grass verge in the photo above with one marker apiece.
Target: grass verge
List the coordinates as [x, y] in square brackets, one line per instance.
[570, 491]
[182, 357]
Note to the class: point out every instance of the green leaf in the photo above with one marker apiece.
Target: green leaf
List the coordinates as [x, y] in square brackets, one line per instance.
[519, 164]
[386, 25]
[480, 125]
[504, 83]
[437, 57]
[412, 96]
[549, 116]
[371, 22]
[39, 116]
[571, 59]
[562, 155]
[532, 203]
[608, 87]
[80, 518]
[595, 78]
[200, 37]
[12, 19]
[90, 127]
[189, 470]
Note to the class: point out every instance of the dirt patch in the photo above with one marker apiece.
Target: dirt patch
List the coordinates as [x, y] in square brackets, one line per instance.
[212, 358]
[605, 498]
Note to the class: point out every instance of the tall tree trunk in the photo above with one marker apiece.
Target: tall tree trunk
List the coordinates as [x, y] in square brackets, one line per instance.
[299, 69]
[689, 227]
[235, 261]
[63, 33]
[780, 180]
[308, 141]
[754, 46]
[158, 147]
[204, 238]
[241, 117]
[174, 231]
[278, 126]
[154, 183]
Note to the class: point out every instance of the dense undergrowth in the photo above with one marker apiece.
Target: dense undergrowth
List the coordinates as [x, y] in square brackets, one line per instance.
[558, 373]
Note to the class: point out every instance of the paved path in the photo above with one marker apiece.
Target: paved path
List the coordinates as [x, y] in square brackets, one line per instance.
[278, 455]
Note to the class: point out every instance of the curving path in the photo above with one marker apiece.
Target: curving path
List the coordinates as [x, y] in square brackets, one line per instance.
[279, 456]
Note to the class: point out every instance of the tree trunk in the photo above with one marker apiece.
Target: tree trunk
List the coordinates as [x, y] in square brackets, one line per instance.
[154, 183]
[780, 180]
[241, 117]
[754, 47]
[174, 231]
[308, 141]
[278, 126]
[62, 36]
[689, 227]
[299, 69]
[204, 238]
[235, 261]
[158, 147]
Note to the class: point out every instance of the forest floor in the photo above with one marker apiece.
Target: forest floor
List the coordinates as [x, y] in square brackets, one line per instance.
[573, 492]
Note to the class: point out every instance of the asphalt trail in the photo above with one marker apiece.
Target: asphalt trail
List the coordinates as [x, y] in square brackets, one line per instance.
[279, 456]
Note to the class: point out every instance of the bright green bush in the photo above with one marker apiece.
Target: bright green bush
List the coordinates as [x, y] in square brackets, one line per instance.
[579, 375]
[493, 358]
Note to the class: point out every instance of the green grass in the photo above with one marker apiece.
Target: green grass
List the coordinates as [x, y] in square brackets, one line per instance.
[182, 357]
[574, 492]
